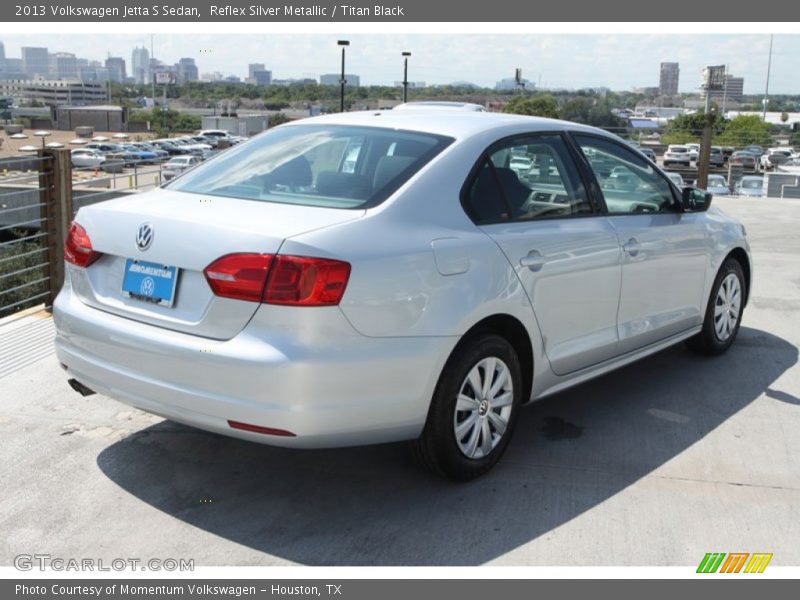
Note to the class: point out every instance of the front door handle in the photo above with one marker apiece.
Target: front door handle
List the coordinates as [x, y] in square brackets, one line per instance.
[632, 247]
[534, 261]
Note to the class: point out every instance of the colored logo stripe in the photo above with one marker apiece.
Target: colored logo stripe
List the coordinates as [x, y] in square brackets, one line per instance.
[758, 562]
[713, 562]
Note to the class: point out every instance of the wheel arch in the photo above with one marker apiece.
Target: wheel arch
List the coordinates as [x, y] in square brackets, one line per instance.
[740, 256]
[512, 329]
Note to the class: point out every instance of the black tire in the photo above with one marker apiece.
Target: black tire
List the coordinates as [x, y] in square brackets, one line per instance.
[707, 342]
[437, 449]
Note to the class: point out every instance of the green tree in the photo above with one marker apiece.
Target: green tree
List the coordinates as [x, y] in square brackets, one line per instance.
[743, 130]
[536, 106]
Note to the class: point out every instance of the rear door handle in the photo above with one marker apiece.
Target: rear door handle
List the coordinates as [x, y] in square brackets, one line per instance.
[632, 247]
[534, 261]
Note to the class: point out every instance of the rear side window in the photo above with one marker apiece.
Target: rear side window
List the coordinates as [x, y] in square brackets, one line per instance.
[526, 179]
[334, 166]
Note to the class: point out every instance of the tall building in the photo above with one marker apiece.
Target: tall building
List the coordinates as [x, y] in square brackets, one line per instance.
[253, 67]
[333, 79]
[116, 69]
[2, 57]
[35, 62]
[186, 70]
[668, 81]
[140, 65]
[262, 77]
[63, 65]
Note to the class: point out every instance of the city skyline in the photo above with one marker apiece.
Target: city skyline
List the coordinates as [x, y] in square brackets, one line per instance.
[548, 61]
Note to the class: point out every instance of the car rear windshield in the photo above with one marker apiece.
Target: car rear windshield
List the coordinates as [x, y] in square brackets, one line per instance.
[334, 166]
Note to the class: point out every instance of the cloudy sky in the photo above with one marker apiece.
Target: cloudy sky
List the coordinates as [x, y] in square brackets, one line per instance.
[619, 61]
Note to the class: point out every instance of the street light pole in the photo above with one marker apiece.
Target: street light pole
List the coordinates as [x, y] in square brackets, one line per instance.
[405, 75]
[766, 89]
[342, 81]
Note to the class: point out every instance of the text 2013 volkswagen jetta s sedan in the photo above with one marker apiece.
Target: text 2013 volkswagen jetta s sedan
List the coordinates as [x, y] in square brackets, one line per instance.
[375, 277]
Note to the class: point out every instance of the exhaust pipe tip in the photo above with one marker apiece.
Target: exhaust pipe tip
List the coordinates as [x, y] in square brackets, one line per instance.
[80, 388]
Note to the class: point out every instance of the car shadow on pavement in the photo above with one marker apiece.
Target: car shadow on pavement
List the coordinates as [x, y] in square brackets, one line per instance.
[372, 506]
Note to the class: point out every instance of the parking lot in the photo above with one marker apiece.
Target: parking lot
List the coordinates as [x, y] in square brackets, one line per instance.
[656, 464]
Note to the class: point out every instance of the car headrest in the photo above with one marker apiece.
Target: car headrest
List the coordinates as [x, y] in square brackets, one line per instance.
[343, 185]
[388, 168]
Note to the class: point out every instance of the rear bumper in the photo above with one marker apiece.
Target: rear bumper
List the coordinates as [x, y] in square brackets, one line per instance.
[306, 371]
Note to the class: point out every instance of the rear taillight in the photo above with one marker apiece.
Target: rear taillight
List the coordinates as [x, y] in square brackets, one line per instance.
[306, 281]
[78, 247]
[239, 276]
[288, 280]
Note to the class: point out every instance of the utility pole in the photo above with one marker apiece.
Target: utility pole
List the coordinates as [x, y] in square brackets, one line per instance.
[714, 79]
[405, 76]
[766, 89]
[342, 81]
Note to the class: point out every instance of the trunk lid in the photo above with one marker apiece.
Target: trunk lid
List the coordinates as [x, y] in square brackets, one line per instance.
[189, 232]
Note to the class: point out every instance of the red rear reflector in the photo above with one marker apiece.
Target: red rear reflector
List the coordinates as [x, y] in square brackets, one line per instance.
[260, 429]
[306, 281]
[239, 276]
[78, 247]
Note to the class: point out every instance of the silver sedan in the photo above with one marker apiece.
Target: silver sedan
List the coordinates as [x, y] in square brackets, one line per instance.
[384, 276]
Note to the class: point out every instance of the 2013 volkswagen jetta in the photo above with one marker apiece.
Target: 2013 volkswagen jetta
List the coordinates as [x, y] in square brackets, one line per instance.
[403, 275]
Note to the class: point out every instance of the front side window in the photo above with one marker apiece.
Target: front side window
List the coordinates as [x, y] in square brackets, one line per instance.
[628, 182]
[334, 166]
[526, 179]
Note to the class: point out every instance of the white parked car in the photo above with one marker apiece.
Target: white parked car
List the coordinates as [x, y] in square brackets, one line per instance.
[694, 151]
[750, 185]
[717, 185]
[83, 158]
[426, 295]
[677, 155]
[177, 165]
[676, 179]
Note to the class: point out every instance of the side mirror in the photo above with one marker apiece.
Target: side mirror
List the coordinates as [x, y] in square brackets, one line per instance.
[695, 199]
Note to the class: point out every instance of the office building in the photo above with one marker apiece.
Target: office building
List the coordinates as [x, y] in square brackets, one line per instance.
[63, 65]
[668, 80]
[116, 69]
[186, 70]
[35, 62]
[140, 65]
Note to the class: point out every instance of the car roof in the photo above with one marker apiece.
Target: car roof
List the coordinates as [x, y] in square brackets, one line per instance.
[455, 124]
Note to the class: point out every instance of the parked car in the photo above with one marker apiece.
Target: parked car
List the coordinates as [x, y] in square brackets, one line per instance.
[717, 185]
[694, 151]
[775, 157]
[715, 157]
[161, 155]
[676, 179]
[177, 165]
[145, 157]
[677, 155]
[649, 153]
[86, 158]
[751, 185]
[170, 148]
[747, 160]
[268, 295]
[754, 149]
[114, 150]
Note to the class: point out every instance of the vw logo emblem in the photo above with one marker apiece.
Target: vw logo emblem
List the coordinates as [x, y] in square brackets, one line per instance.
[147, 287]
[144, 237]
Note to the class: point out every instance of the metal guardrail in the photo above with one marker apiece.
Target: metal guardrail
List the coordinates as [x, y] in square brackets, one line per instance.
[27, 190]
[39, 196]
